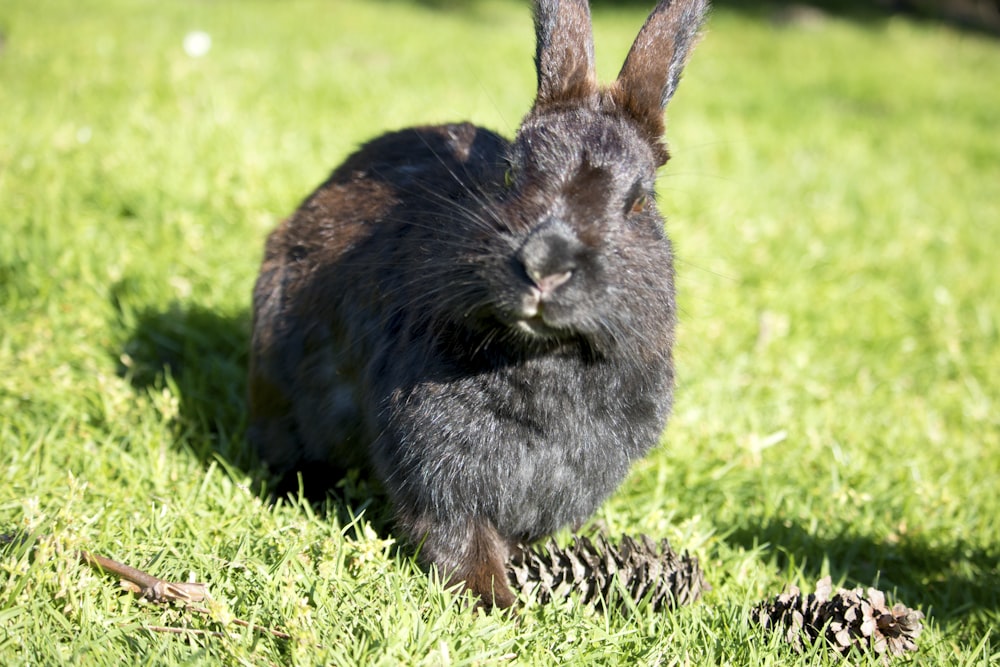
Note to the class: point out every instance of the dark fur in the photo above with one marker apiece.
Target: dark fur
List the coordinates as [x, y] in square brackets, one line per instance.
[487, 325]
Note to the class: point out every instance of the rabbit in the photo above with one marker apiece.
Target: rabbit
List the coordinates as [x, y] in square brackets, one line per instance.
[485, 325]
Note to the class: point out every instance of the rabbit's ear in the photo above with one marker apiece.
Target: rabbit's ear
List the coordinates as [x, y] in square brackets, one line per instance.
[564, 52]
[653, 66]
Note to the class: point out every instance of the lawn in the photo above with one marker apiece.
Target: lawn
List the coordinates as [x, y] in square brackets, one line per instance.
[834, 198]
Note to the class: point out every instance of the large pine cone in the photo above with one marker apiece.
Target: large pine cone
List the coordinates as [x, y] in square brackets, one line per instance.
[643, 569]
[846, 619]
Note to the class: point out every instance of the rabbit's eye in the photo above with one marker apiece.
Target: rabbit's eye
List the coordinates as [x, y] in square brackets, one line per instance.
[508, 177]
[639, 204]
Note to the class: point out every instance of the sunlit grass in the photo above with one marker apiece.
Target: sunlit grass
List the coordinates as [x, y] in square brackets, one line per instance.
[834, 202]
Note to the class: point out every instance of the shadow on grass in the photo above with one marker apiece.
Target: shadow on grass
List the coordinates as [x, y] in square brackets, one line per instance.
[981, 16]
[952, 580]
[200, 355]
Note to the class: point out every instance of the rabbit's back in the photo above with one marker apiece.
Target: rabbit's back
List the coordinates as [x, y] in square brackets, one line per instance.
[320, 298]
[385, 187]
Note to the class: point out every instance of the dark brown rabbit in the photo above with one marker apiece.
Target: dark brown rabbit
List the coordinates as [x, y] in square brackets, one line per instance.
[486, 325]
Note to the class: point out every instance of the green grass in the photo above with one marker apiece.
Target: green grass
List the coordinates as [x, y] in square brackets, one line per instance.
[835, 202]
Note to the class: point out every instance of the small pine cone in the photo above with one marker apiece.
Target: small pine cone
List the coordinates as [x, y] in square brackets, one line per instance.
[846, 619]
[643, 569]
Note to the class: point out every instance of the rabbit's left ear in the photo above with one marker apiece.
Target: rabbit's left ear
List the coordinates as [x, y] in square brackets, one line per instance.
[564, 53]
[653, 66]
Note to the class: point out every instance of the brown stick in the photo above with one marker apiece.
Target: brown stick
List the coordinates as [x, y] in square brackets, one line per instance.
[144, 584]
[155, 589]
[184, 631]
[247, 624]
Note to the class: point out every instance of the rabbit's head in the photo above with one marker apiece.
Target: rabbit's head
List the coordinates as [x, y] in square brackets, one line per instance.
[579, 252]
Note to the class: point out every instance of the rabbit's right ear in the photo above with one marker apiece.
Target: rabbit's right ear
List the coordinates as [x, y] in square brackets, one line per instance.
[653, 66]
[564, 53]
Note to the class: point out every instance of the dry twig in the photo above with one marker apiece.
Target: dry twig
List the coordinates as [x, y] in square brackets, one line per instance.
[157, 590]
[144, 584]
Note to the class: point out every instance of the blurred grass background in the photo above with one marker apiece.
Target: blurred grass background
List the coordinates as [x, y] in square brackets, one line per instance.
[835, 202]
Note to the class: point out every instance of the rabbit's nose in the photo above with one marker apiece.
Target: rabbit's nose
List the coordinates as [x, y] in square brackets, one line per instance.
[548, 284]
[549, 257]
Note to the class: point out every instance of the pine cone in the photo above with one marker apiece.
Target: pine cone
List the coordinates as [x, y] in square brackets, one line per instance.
[643, 569]
[846, 619]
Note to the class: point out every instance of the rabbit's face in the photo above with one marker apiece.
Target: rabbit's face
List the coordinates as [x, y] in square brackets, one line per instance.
[583, 250]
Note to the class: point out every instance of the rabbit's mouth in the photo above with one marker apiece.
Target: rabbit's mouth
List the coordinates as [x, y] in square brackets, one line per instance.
[536, 327]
